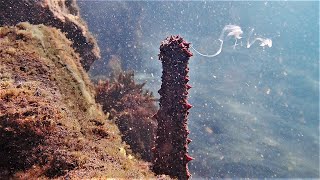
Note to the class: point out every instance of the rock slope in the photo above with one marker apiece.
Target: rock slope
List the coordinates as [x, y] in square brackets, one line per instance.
[50, 125]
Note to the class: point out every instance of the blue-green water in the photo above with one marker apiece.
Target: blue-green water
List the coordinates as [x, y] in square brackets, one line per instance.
[256, 111]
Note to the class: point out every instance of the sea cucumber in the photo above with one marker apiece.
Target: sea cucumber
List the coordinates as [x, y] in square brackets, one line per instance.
[171, 150]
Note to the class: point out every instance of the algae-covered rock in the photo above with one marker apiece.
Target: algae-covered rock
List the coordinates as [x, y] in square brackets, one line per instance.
[50, 125]
[62, 14]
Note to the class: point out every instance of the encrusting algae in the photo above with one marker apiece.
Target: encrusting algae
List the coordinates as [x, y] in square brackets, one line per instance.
[50, 124]
[61, 14]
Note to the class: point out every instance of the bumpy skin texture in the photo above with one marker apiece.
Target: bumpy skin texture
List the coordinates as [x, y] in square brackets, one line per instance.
[171, 151]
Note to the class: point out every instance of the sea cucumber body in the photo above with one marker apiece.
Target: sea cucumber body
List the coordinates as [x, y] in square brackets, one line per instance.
[171, 151]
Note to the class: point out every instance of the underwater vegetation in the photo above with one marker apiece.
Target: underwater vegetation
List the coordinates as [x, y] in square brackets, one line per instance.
[132, 109]
[50, 124]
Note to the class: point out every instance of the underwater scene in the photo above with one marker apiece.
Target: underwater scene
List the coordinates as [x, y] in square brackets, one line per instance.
[98, 89]
[255, 110]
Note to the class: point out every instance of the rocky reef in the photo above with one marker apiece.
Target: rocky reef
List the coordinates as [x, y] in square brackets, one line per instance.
[50, 124]
[62, 14]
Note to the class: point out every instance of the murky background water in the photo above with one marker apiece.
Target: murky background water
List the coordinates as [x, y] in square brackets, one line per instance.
[256, 111]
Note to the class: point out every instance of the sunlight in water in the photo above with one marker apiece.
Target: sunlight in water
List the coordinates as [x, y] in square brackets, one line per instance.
[236, 32]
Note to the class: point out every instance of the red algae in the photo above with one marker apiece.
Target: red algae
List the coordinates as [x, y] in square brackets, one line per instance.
[132, 109]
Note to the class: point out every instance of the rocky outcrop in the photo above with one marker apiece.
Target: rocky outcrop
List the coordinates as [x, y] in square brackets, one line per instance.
[50, 125]
[62, 14]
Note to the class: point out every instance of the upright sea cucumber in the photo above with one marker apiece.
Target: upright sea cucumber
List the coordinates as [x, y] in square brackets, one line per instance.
[171, 150]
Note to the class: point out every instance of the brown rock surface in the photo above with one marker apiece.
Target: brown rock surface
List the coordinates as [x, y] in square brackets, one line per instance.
[50, 125]
[62, 14]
